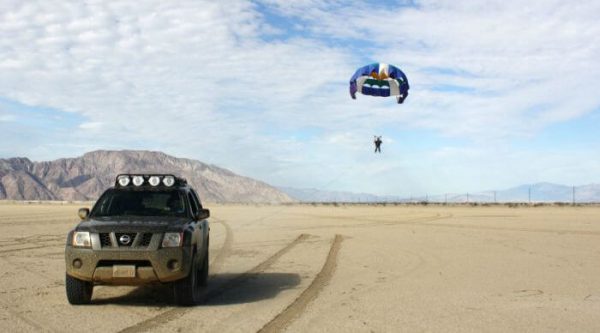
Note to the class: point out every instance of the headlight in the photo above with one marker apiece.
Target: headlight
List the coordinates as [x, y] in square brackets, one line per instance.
[154, 180]
[82, 239]
[169, 180]
[138, 180]
[172, 239]
[123, 180]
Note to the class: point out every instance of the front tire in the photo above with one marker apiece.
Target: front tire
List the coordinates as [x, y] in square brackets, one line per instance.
[203, 276]
[78, 291]
[186, 290]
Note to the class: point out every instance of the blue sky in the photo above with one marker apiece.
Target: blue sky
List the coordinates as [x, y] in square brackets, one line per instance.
[502, 93]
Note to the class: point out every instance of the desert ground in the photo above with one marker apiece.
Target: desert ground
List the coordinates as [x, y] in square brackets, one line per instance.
[345, 268]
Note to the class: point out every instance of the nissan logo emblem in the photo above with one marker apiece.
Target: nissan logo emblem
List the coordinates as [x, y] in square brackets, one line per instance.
[125, 239]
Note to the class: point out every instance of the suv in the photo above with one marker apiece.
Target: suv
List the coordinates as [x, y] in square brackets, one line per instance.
[145, 229]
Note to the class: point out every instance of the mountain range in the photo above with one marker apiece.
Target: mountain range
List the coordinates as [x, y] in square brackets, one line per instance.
[316, 195]
[538, 192]
[87, 176]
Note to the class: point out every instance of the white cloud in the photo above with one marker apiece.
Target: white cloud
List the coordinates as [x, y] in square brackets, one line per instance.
[7, 118]
[510, 56]
[166, 68]
[95, 125]
[201, 79]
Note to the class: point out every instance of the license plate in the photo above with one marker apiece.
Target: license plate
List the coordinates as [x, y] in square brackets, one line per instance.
[124, 271]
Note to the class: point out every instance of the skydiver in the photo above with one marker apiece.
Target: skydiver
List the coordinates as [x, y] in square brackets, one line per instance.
[377, 142]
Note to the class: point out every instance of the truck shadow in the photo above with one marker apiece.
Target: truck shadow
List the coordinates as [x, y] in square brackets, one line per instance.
[222, 289]
[233, 289]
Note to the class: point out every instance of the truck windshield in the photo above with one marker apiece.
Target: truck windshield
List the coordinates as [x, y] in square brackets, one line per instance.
[140, 203]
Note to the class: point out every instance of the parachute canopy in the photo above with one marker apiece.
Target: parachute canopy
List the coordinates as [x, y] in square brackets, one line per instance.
[379, 79]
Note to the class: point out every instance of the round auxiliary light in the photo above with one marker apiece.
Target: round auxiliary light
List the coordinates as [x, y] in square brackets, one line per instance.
[138, 180]
[123, 180]
[154, 180]
[169, 180]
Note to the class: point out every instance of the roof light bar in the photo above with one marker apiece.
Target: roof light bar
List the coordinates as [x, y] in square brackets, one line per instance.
[169, 181]
[154, 180]
[123, 180]
[138, 180]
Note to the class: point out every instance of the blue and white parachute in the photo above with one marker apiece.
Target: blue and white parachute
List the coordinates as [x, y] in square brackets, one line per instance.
[380, 79]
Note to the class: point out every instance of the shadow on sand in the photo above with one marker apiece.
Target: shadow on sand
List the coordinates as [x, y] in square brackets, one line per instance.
[222, 289]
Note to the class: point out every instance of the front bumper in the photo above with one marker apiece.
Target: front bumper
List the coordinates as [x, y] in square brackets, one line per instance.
[158, 265]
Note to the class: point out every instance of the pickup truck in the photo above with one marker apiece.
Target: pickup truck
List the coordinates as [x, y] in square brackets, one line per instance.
[148, 228]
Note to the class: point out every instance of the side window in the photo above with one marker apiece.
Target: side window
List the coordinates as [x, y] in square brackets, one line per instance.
[193, 204]
[196, 198]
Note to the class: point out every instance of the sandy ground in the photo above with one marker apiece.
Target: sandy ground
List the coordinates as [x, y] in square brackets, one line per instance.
[331, 269]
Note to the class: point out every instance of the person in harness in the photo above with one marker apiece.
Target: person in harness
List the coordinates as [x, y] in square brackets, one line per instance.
[377, 142]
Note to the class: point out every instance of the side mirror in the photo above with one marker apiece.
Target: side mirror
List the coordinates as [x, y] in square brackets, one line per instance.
[203, 214]
[83, 213]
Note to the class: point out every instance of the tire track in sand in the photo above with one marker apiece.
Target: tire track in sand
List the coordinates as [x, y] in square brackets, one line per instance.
[172, 314]
[217, 262]
[31, 242]
[225, 251]
[37, 326]
[297, 307]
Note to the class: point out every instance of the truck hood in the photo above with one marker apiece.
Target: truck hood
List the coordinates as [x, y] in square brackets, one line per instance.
[133, 224]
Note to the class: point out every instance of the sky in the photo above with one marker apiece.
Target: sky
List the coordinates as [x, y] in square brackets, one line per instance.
[502, 92]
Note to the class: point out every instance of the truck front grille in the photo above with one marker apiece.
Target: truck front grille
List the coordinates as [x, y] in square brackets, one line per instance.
[125, 239]
[131, 239]
[146, 238]
[105, 240]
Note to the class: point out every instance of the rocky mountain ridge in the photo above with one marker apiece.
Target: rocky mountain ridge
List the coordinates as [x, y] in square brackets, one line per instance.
[87, 176]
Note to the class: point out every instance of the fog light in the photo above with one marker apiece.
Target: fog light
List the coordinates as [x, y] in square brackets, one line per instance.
[77, 263]
[173, 265]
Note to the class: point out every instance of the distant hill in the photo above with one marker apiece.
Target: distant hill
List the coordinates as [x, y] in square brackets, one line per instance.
[540, 192]
[548, 192]
[86, 177]
[315, 195]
